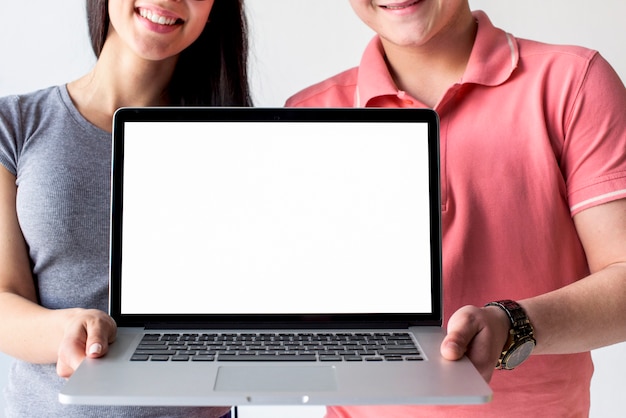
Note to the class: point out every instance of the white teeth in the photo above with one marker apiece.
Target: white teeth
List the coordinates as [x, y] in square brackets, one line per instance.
[155, 18]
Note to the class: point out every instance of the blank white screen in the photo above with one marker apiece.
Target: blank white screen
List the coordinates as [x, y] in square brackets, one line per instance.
[283, 217]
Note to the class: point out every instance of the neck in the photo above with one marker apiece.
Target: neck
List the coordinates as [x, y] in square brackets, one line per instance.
[120, 79]
[427, 71]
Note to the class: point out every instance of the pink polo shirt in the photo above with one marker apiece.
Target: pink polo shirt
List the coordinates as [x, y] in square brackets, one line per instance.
[531, 135]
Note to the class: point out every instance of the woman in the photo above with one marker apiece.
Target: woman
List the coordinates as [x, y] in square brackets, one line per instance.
[54, 183]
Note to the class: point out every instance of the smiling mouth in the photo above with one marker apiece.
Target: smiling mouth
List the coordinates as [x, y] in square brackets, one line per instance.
[400, 6]
[159, 19]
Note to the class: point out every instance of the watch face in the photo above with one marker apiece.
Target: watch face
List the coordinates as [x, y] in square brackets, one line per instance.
[518, 353]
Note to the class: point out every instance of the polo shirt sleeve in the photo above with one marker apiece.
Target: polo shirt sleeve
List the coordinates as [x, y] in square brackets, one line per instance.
[594, 148]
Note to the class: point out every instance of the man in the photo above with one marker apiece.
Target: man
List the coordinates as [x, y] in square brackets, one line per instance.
[533, 167]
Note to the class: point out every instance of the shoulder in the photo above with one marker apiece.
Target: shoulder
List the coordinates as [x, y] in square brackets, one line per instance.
[572, 76]
[336, 91]
[29, 103]
[555, 54]
[564, 62]
[499, 56]
[27, 111]
[34, 96]
[20, 116]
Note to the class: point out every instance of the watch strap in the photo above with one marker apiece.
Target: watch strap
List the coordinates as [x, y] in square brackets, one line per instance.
[521, 328]
[514, 311]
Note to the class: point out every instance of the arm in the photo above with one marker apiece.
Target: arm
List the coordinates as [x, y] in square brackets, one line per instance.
[29, 331]
[565, 320]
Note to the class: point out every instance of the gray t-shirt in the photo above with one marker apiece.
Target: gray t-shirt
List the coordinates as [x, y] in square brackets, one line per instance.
[62, 165]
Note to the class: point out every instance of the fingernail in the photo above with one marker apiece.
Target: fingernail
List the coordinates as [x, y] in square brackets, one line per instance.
[95, 348]
[452, 350]
[453, 346]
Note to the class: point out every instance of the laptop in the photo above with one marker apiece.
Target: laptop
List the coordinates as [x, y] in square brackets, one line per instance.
[275, 256]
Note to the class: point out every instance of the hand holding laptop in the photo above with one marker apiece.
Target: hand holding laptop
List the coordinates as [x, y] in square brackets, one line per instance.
[88, 333]
[474, 332]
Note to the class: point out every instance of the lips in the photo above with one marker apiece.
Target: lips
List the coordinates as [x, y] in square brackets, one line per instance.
[159, 18]
[400, 5]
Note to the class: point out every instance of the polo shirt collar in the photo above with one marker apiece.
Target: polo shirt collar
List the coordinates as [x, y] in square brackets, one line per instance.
[493, 59]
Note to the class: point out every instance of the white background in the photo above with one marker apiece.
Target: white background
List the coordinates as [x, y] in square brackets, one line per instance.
[296, 43]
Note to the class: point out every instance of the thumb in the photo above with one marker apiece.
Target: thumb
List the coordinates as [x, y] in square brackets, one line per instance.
[95, 350]
[99, 335]
[462, 328]
[451, 349]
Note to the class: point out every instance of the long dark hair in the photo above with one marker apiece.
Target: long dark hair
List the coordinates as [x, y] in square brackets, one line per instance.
[210, 72]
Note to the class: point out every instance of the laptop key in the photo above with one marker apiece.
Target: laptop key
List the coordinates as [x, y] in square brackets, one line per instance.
[329, 357]
[263, 357]
[202, 357]
[398, 351]
[154, 352]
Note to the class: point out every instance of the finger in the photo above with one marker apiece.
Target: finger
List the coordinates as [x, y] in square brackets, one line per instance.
[71, 352]
[462, 328]
[100, 333]
[64, 370]
[90, 336]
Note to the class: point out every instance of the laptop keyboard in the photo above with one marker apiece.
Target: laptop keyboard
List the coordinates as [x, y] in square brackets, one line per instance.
[327, 347]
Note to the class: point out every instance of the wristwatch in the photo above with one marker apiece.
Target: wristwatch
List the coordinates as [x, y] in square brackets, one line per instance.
[521, 340]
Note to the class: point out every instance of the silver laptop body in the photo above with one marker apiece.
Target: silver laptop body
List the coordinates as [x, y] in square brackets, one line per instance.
[275, 257]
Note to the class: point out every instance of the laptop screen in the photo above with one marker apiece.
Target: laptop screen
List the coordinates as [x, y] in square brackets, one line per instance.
[229, 216]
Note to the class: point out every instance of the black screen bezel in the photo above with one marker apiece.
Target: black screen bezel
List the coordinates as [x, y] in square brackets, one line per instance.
[265, 321]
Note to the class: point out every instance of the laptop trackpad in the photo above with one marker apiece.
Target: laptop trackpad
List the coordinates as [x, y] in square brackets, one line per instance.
[276, 379]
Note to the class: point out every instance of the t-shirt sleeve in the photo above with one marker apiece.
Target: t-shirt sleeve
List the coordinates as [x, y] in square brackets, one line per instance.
[10, 135]
[594, 153]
